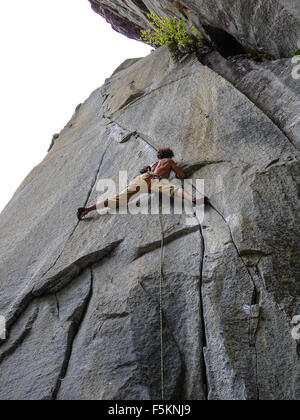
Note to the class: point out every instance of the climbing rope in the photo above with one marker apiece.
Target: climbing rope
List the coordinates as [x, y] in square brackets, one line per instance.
[161, 315]
[161, 303]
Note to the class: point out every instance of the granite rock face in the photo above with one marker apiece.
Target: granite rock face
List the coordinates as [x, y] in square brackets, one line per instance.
[81, 299]
[270, 26]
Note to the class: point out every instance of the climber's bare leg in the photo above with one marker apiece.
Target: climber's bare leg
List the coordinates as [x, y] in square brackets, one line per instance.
[185, 195]
[132, 187]
[97, 206]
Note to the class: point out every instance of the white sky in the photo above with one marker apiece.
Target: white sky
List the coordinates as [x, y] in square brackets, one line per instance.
[53, 55]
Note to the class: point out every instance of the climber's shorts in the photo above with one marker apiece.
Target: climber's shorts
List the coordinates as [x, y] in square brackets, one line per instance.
[143, 184]
[163, 186]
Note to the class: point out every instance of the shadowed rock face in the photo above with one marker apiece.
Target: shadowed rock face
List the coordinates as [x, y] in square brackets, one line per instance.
[81, 299]
[270, 26]
[118, 22]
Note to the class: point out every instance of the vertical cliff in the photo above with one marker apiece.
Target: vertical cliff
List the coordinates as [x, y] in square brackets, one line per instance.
[81, 299]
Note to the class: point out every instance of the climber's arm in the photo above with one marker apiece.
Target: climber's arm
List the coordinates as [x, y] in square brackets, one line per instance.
[178, 171]
[145, 169]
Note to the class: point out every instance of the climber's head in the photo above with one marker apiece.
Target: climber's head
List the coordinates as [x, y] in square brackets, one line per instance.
[165, 153]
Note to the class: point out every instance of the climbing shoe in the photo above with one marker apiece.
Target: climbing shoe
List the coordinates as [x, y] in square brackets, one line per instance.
[80, 213]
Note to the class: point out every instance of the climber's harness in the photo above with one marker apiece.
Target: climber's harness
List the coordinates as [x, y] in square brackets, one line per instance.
[150, 179]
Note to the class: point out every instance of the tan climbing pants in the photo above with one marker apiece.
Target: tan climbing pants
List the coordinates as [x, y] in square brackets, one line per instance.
[143, 184]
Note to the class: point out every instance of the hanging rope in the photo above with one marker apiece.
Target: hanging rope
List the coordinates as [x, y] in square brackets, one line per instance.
[161, 316]
[161, 302]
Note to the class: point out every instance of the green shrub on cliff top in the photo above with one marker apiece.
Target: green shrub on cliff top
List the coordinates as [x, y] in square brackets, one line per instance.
[295, 52]
[174, 33]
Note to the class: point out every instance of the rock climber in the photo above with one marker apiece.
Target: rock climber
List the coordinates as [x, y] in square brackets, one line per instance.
[156, 179]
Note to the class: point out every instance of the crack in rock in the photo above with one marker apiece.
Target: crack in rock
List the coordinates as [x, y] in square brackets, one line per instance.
[150, 247]
[8, 348]
[61, 279]
[85, 204]
[75, 324]
[57, 282]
